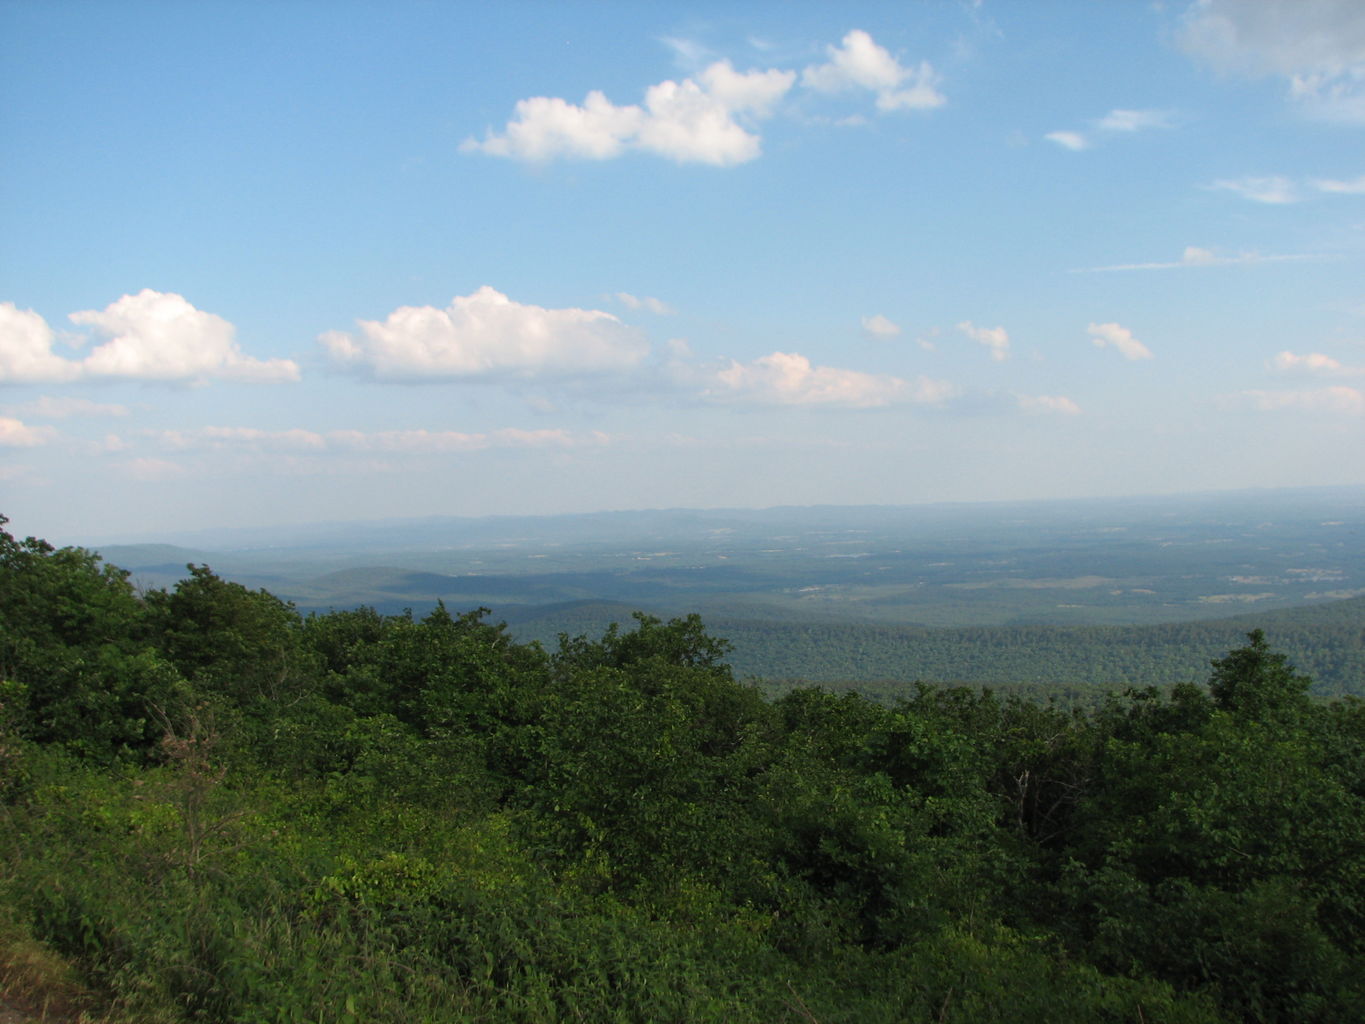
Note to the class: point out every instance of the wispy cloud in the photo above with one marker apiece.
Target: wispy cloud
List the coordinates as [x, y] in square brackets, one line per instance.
[788, 378]
[1274, 189]
[647, 303]
[1313, 363]
[49, 408]
[1120, 121]
[1111, 335]
[1196, 256]
[1073, 141]
[878, 326]
[1335, 400]
[995, 339]
[14, 433]
[1277, 189]
[1044, 404]
[1351, 187]
[301, 441]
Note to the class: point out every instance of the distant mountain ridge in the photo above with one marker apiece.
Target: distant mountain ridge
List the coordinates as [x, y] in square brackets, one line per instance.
[1134, 590]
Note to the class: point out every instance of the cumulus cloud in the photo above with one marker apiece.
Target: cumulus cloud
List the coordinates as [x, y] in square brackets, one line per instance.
[647, 303]
[486, 333]
[1316, 46]
[879, 326]
[26, 348]
[859, 63]
[697, 120]
[1338, 399]
[161, 336]
[16, 434]
[996, 339]
[1118, 121]
[155, 336]
[788, 378]
[1113, 336]
[710, 117]
[1048, 404]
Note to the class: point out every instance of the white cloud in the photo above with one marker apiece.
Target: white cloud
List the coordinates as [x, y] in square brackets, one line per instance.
[26, 348]
[108, 443]
[1048, 404]
[696, 120]
[390, 441]
[1316, 46]
[1274, 189]
[1313, 362]
[1197, 256]
[1354, 187]
[710, 117]
[879, 326]
[1073, 141]
[47, 407]
[160, 336]
[787, 378]
[1117, 121]
[156, 336]
[426, 441]
[645, 302]
[15, 434]
[1111, 335]
[546, 126]
[859, 63]
[148, 470]
[486, 333]
[994, 338]
[1337, 399]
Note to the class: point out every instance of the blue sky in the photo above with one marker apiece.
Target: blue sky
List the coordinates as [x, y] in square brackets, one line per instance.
[275, 263]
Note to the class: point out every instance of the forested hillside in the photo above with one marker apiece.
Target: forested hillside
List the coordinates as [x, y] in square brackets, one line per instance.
[213, 808]
[1327, 641]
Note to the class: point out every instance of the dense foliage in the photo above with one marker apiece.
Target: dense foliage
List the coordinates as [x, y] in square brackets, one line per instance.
[212, 808]
[1325, 639]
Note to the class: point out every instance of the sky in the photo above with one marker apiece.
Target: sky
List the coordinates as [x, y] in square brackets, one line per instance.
[277, 263]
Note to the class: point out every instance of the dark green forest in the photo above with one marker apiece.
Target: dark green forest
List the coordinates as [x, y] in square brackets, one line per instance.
[1326, 641]
[214, 808]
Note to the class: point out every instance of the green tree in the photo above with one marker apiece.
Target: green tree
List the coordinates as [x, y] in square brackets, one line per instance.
[1257, 683]
[71, 654]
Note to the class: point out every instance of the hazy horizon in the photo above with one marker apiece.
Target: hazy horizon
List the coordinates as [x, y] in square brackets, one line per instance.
[203, 533]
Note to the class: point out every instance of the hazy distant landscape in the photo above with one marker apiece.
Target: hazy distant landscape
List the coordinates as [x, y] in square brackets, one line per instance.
[762, 513]
[998, 592]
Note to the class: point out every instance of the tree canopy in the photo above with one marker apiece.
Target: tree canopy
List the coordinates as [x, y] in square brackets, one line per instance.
[214, 808]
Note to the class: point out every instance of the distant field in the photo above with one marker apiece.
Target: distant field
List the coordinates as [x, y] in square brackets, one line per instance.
[1094, 592]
